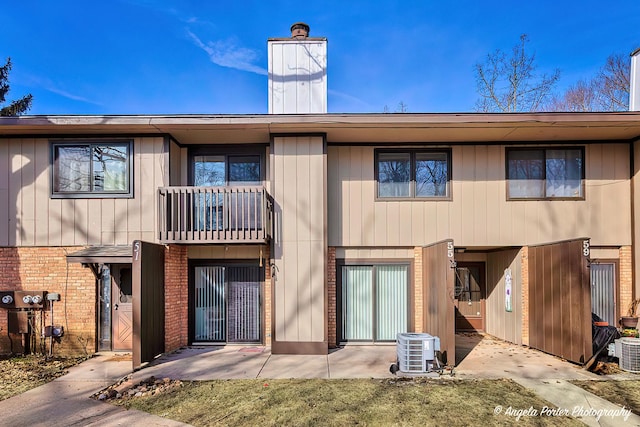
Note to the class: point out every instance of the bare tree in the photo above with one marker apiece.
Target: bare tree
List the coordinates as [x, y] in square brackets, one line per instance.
[583, 96]
[608, 90]
[402, 108]
[17, 107]
[509, 83]
[613, 83]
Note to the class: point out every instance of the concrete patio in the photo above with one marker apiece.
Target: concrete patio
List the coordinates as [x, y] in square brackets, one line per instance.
[66, 400]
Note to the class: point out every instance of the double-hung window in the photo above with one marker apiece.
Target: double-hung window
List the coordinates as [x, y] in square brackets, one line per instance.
[91, 169]
[413, 174]
[545, 173]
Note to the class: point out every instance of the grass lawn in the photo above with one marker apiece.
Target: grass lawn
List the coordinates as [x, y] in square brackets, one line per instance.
[622, 393]
[19, 374]
[347, 402]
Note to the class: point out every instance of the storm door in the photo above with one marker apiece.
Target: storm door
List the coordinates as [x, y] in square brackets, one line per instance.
[603, 291]
[470, 296]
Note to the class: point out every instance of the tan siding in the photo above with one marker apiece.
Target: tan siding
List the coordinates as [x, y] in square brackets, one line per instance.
[175, 164]
[478, 214]
[298, 170]
[42, 191]
[27, 193]
[373, 253]
[94, 222]
[5, 173]
[222, 252]
[499, 322]
[15, 183]
[34, 218]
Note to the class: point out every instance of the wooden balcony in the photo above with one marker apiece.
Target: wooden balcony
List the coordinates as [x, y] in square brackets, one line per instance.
[214, 215]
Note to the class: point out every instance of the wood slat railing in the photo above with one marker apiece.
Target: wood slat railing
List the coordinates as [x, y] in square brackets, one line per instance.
[214, 215]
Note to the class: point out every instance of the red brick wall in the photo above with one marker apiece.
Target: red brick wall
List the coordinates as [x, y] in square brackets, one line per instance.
[418, 296]
[46, 269]
[331, 297]
[267, 297]
[176, 295]
[525, 294]
[626, 279]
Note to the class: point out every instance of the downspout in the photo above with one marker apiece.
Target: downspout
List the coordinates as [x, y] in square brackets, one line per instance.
[634, 105]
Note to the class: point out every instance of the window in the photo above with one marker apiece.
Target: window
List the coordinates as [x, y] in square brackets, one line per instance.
[413, 174]
[92, 169]
[220, 170]
[545, 173]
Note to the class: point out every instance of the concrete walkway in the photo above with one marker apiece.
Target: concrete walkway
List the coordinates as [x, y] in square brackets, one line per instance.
[66, 401]
[232, 362]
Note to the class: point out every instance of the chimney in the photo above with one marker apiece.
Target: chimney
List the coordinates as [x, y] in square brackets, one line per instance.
[298, 73]
[634, 80]
[299, 30]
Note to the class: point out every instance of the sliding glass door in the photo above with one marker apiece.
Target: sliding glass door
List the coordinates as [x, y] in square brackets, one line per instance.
[374, 302]
[227, 304]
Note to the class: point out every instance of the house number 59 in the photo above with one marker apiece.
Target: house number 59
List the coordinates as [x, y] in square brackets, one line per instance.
[585, 247]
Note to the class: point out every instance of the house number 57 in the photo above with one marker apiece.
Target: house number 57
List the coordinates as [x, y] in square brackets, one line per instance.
[585, 248]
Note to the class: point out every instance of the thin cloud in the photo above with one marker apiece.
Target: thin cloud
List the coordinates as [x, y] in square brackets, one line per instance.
[227, 54]
[71, 96]
[49, 86]
[348, 97]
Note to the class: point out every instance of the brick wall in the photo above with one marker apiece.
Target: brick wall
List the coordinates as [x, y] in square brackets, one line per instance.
[332, 289]
[176, 294]
[46, 269]
[626, 279]
[267, 297]
[525, 294]
[417, 290]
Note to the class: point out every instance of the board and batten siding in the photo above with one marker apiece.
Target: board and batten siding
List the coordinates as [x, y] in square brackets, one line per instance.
[33, 218]
[478, 213]
[506, 325]
[298, 168]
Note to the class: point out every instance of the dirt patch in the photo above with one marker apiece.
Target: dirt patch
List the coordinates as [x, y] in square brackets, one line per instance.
[125, 357]
[401, 401]
[19, 374]
[125, 389]
[623, 393]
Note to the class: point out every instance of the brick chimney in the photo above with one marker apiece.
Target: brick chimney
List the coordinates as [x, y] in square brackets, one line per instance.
[298, 73]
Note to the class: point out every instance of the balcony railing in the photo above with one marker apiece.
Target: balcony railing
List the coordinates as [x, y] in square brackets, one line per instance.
[214, 215]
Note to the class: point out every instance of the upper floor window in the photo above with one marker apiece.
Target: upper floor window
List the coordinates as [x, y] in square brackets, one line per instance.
[545, 173]
[92, 169]
[220, 170]
[226, 165]
[413, 174]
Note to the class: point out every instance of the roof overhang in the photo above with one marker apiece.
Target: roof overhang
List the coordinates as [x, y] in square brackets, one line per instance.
[341, 128]
[102, 255]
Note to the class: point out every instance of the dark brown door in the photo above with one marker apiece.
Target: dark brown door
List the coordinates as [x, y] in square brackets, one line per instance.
[121, 314]
[470, 296]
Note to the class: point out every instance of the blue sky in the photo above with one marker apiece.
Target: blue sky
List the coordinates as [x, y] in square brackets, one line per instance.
[210, 57]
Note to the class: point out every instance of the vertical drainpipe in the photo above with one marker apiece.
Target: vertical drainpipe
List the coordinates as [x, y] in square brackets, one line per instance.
[634, 105]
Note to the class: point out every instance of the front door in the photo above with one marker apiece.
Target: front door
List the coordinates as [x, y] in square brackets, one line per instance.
[121, 312]
[470, 296]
